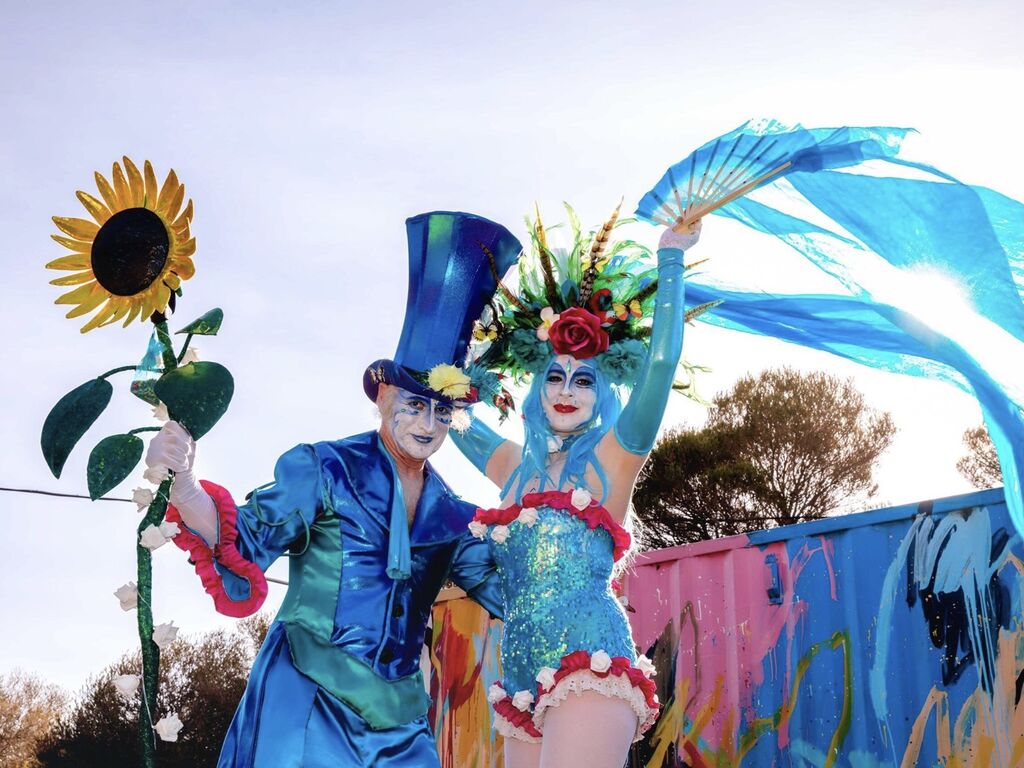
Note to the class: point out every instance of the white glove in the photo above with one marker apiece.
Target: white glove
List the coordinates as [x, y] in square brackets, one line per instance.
[174, 448]
[682, 241]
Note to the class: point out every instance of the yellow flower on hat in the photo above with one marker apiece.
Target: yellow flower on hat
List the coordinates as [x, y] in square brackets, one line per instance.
[449, 380]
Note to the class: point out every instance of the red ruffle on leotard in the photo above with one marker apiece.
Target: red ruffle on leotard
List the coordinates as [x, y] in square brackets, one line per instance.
[593, 515]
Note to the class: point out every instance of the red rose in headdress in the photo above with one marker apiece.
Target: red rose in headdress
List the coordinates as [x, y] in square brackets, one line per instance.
[578, 332]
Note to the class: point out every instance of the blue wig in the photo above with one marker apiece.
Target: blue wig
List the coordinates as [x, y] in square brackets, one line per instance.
[607, 407]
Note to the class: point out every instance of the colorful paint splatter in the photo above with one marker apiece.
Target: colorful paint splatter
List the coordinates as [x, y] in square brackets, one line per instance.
[889, 639]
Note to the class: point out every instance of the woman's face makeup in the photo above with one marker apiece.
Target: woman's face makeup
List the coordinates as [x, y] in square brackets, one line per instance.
[569, 394]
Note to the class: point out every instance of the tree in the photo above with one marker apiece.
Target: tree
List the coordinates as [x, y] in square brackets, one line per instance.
[778, 448]
[28, 710]
[201, 679]
[697, 486]
[981, 464]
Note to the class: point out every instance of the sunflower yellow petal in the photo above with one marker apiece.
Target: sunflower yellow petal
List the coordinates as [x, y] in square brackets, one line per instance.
[81, 277]
[100, 318]
[185, 249]
[182, 222]
[71, 261]
[133, 312]
[78, 246]
[106, 191]
[87, 306]
[152, 188]
[174, 204]
[121, 306]
[135, 184]
[121, 188]
[76, 296]
[80, 229]
[158, 298]
[96, 209]
[168, 191]
[183, 267]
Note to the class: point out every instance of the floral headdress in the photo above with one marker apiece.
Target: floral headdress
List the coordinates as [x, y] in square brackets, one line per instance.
[593, 300]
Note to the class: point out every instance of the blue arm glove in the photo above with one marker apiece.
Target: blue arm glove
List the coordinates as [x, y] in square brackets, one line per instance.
[478, 443]
[637, 427]
[475, 571]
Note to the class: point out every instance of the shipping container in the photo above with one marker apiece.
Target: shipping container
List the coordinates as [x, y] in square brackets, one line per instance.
[887, 638]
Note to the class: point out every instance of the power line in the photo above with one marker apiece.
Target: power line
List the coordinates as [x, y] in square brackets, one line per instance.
[62, 495]
[101, 498]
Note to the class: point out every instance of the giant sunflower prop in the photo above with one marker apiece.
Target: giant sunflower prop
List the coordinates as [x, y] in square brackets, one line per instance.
[129, 262]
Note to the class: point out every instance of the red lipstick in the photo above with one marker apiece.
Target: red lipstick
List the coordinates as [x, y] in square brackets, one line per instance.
[562, 408]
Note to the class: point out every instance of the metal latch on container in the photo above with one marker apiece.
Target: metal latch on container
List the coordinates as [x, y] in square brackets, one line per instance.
[774, 581]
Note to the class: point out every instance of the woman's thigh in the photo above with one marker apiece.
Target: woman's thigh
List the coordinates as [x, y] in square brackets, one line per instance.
[588, 731]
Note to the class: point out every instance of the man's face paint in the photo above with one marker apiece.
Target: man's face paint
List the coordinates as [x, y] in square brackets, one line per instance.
[417, 425]
[569, 395]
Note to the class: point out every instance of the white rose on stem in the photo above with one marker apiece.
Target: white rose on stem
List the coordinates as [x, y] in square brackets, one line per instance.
[126, 685]
[646, 666]
[164, 634]
[581, 498]
[156, 475]
[128, 595]
[600, 661]
[546, 678]
[167, 727]
[160, 412]
[169, 530]
[151, 538]
[528, 516]
[499, 533]
[191, 356]
[142, 497]
[522, 700]
[495, 694]
[478, 529]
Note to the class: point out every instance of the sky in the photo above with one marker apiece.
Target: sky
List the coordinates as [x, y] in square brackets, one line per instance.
[307, 132]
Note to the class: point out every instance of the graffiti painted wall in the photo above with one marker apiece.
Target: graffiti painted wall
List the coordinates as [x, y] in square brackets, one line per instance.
[890, 638]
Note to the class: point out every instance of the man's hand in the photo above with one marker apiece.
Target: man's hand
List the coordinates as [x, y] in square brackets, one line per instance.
[172, 447]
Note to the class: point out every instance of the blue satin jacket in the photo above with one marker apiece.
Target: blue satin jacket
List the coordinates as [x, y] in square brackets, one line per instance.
[351, 628]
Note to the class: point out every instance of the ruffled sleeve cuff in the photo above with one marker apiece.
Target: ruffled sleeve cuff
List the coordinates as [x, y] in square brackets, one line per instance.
[223, 559]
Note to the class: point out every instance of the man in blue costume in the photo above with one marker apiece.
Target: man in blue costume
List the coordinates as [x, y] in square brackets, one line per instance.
[371, 531]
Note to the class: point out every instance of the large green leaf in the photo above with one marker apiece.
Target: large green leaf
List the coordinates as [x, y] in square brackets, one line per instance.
[196, 395]
[70, 418]
[111, 461]
[207, 325]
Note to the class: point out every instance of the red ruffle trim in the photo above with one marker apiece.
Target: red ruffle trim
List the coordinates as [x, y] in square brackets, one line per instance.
[518, 717]
[580, 660]
[594, 515]
[224, 553]
[575, 662]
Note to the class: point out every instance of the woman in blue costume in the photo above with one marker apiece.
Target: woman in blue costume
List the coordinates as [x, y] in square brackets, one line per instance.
[574, 692]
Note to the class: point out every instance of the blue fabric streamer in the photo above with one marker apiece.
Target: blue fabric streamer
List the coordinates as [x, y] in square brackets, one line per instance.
[399, 555]
[885, 236]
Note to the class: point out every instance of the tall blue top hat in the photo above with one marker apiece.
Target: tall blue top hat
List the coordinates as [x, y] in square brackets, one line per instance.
[455, 262]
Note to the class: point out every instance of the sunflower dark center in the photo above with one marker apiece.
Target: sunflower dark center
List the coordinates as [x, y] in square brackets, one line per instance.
[129, 251]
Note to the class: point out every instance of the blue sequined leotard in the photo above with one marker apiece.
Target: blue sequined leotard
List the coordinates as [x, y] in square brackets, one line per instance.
[565, 631]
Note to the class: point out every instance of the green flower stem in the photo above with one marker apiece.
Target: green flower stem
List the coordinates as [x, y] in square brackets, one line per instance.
[150, 650]
[184, 347]
[112, 371]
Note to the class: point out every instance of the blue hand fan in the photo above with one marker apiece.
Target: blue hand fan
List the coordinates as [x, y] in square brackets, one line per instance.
[751, 156]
